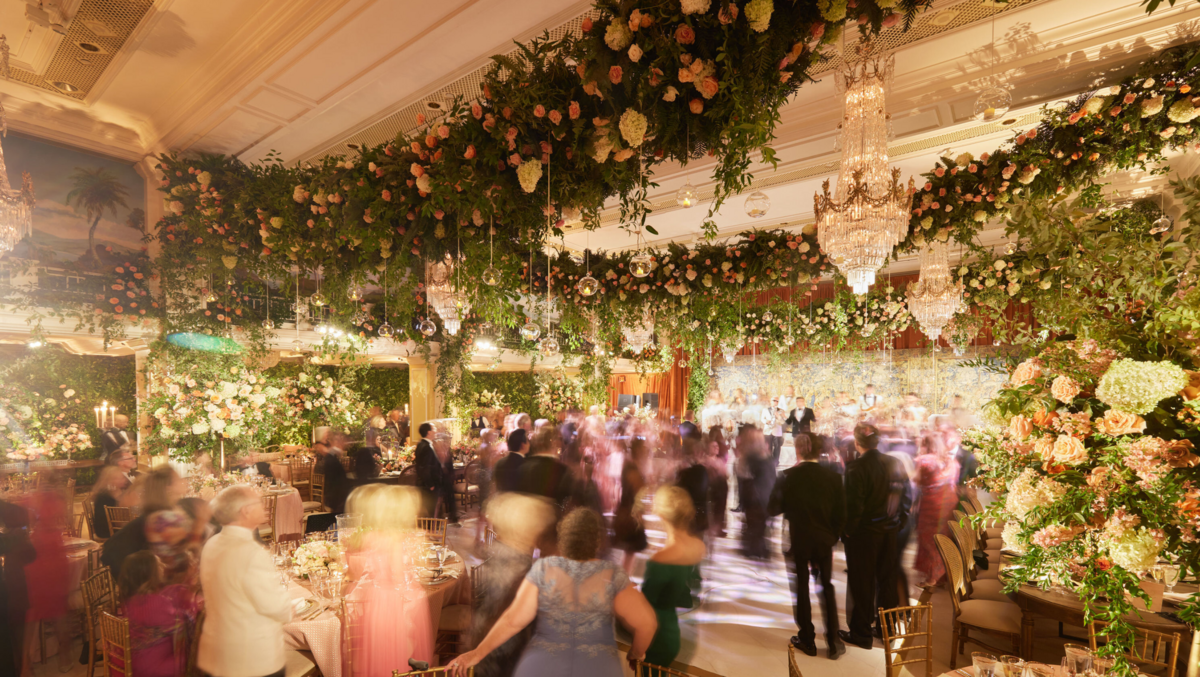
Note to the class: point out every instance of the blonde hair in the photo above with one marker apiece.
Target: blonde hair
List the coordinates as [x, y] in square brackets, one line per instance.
[386, 508]
[519, 519]
[378, 422]
[107, 479]
[674, 506]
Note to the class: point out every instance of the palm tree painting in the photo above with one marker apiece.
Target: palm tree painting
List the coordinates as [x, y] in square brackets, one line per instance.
[95, 191]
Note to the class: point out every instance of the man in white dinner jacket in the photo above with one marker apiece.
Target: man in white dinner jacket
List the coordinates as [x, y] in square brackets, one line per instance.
[246, 606]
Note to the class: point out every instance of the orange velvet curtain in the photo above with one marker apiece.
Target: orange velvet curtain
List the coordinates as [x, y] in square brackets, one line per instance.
[671, 387]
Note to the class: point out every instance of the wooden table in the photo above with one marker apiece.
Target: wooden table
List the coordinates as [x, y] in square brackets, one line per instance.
[1068, 608]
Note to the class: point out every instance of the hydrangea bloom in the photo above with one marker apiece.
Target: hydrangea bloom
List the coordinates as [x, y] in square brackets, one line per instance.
[1136, 551]
[633, 127]
[1137, 387]
[1010, 537]
[758, 13]
[1152, 107]
[694, 6]
[618, 36]
[1183, 111]
[1030, 490]
[529, 173]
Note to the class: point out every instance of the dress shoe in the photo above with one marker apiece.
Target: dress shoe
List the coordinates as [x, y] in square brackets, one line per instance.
[809, 647]
[877, 633]
[856, 641]
[836, 648]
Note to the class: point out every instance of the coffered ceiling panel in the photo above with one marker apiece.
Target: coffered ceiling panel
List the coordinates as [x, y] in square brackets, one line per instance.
[277, 105]
[240, 129]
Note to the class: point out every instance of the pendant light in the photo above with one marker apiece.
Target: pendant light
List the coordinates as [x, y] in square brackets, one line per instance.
[1163, 223]
[491, 276]
[588, 285]
[386, 330]
[686, 195]
[267, 323]
[993, 102]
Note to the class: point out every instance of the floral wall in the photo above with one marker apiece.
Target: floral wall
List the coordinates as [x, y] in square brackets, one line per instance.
[817, 377]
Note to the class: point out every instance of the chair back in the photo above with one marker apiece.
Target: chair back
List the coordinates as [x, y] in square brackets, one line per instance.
[907, 629]
[408, 476]
[99, 593]
[959, 516]
[269, 502]
[118, 517]
[434, 528]
[478, 589]
[645, 669]
[489, 535]
[347, 462]
[966, 548]
[433, 672]
[793, 662]
[115, 646]
[302, 470]
[954, 569]
[352, 633]
[975, 503]
[89, 517]
[1150, 648]
[93, 561]
[317, 488]
[968, 507]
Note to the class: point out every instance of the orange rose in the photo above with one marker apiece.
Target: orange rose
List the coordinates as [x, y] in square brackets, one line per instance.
[1192, 390]
[1179, 454]
[1043, 418]
[1120, 423]
[1026, 372]
[1019, 427]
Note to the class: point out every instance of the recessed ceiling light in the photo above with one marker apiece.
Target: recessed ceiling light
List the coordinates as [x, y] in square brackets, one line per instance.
[99, 28]
[64, 86]
[84, 60]
[1008, 122]
[944, 17]
[90, 47]
[435, 105]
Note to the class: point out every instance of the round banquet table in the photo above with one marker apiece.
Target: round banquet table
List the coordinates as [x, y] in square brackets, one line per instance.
[1068, 609]
[322, 634]
[289, 514]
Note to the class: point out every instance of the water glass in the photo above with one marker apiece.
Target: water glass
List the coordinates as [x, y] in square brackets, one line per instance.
[1078, 659]
[1012, 666]
[1101, 666]
[1033, 669]
[1170, 575]
[985, 664]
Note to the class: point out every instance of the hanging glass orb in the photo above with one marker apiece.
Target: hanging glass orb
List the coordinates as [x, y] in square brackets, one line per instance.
[360, 316]
[548, 347]
[937, 347]
[1162, 225]
[768, 316]
[427, 328]
[318, 299]
[711, 372]
[300, 308]
[686, 196]
[598, 350]
[757, 204]
[588, 286]
[355, 292]
[993, 103]
[211, 297]
[268, 324]
[640, 265]
[491, 276]
[386, 330]
[531, 331]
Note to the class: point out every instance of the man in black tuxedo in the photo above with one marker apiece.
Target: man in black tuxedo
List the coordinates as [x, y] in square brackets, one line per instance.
[878, 500]
[543, 474]
[508, 469]
[116, 437]
[812, 500]
[129, 539]
[800, 419]
[430, 471]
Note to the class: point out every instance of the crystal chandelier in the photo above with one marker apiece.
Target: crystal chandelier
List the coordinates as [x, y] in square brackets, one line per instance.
[638, 333]
[16, 206]
[935, 296]
[868, 216]
[449, 303]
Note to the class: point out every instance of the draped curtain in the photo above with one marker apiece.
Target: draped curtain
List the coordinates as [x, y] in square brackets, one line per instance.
[671, 387]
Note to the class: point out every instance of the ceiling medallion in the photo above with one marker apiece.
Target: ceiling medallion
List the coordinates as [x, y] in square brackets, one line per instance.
[868, 216]
[935, 297]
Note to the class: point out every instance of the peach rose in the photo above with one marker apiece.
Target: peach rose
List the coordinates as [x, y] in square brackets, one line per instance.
[1043, 418]
[1179, 454]
[1019, 427]
[1120, 423]
[1192, 390]
[1064, 389]
[1044, 447]
[1026, 372]
[696, 106]
[1068, 450]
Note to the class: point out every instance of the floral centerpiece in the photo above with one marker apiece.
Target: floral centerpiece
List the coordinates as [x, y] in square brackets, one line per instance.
[558, 392]
[67, 440]
[239, 405]
[402, 457]
[489, 400]
[316, 556]
[34, 427]
[313, 398]
[1095, 465]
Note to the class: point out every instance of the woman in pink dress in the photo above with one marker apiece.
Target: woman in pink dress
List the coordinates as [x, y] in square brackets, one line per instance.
[937, 474]
[160, 617]
[46, 576]
[395, 609]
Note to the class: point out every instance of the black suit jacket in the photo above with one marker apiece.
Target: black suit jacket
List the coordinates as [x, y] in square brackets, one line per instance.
[508, 472]
[813, 501]
[803, 424]
[878, 494]
[113, 439]
[546, 476]
[129, 539]
[337, 484]
[430, 473]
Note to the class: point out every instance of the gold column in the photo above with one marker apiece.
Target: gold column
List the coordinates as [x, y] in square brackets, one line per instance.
[425, 403]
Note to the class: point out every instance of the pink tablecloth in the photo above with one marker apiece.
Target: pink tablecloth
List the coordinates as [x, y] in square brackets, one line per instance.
[77, 551]
[282, 472]
[323, 635]
[289, 514]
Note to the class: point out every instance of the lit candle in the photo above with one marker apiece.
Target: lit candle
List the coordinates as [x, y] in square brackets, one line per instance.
[97, 410]
[406, 409]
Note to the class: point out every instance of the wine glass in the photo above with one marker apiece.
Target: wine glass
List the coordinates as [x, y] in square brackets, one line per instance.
[1101, 666]
[1078, 659]
[1170, 575]
[1012, 666]
[1033, 669]
[985, 664]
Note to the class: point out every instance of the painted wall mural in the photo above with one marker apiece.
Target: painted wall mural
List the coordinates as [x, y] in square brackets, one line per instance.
[816, 377]
[90, 209]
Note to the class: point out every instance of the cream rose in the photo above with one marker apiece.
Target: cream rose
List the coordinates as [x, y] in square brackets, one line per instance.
[1025, 373]
[1044, 447]
[1068, 450]
[1064, 389]
[1120, 423]
[1019, 427]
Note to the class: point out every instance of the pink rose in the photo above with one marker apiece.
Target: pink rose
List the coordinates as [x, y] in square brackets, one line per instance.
[476, 111]
[1026, 372]
[587, 25]
[555, 117]
[818, 30]
[730, 14]
[1064, 389]
[511, 133]
[417, 170]
[614, 75]
[940, 172]
[684, 34]
[387, 196]
[420, 118]
[444, 132]
[470, 153]
[539, 111]
[696, 106]
[709, 86]
[686, 75]
[573, 110]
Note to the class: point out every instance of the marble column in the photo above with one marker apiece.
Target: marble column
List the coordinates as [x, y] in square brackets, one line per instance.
[425, 403]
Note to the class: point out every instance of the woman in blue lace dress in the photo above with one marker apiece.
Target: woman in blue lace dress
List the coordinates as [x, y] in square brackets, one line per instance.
[574, 599]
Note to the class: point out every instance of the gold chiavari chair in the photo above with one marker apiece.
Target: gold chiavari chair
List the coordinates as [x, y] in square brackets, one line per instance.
[93, 561]
[983, 541]
[267, 533]
[489, 535]
[98, 597]
[793, 662]
[434, 528]
[316, 493]
[901, 627]
[302, 471]
[1150, 648]
[430, 672]
[1000, 618]
[645, 669]
[966, 549]
[454, 625]
[118, 517]
[115, 645]
[352, 636]
[467, 489]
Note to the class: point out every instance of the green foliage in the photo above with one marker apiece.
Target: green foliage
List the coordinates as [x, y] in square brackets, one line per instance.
[386, 388]
[519, 388]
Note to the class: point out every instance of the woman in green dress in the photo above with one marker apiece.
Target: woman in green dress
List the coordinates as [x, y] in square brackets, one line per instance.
[671, 572]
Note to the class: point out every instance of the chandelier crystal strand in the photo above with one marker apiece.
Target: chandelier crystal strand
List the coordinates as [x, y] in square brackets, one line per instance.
[935, 297]
[16, 206]
[638, 332]
[859, 225]
[491, 276]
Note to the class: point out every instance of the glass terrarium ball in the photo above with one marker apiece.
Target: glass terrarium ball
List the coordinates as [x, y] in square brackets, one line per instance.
[427, 327]
[491, 276]
[640, 265]
[757, 204]
[317, 299]
[386, 330]
[548, 346]
[588, 286]
[768, 316]
[268, 324]
[993, 103]
[686, 196]
[1162, 225]
[355, 292]
[531, 331]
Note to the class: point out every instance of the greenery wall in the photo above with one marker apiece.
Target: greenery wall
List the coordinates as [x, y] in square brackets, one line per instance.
[519, 389]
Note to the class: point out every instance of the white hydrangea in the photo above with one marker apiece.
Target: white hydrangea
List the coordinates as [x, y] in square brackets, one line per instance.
[1152, 107]
[694, 6]
[633, 127]
[833, 11]
[964, 159]
[1010, 537]
[1137, 387]
[601, 147]
[1096, 104]
[1030, 490]
[618, 36]
[199, 428]
[1136, 551]
[758, 13]
[529, 173]
[1183, 111]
